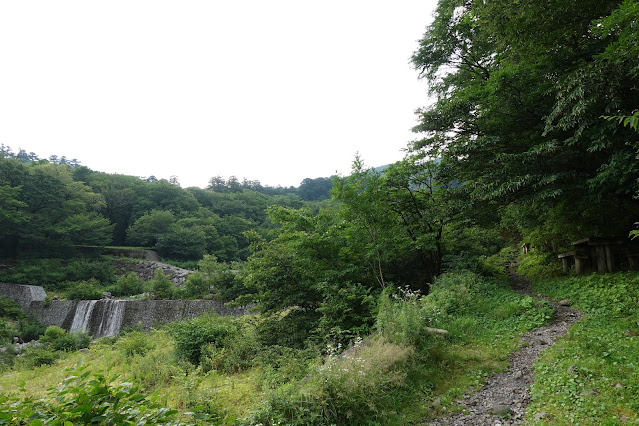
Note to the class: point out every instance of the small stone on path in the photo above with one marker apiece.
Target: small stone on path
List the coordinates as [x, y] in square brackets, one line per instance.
[499, 410]
[540, 416]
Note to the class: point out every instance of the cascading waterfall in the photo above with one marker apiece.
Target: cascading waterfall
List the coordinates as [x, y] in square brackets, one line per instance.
[110, 321]
[106, 317]
[82, 316]
[101, 317]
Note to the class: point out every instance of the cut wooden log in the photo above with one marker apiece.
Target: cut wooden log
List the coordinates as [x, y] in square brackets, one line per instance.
[438, 331]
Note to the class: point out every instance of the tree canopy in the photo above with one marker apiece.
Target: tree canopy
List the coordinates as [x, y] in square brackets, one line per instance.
[521, 89]
[44, 209]
[49, 206]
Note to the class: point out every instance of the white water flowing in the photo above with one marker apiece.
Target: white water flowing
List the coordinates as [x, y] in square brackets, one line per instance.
[111, 318]
[82, 315]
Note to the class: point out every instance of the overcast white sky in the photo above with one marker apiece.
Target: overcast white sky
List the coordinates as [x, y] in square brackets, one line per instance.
[275, 90]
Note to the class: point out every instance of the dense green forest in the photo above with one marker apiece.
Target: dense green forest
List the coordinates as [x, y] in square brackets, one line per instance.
[50, 206]
[533, 139]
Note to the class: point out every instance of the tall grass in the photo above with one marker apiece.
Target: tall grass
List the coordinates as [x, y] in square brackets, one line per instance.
[356, 388]
[400, 374]
[395, 375]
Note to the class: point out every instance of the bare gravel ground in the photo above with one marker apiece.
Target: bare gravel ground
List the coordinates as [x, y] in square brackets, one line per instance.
[505, 396]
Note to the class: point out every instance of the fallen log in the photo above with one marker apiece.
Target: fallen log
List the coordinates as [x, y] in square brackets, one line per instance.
[438, 331]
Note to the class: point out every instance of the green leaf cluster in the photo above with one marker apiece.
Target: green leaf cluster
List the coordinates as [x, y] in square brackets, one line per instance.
[85, 397]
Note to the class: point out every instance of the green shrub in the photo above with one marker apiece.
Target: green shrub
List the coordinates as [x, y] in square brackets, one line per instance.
[289, 327]
[135, 343]
[196, 286]
[9, 308]
[52, 333]
[65, 343]
[537, 265]
[8, 329]
[36, 356]
[236, 351]
[7, 357]
[70, 342]
[225, 281]
[84, 269]
[400, 317]
[347, 312]
[85, 290]
[82, 338]
[53, 273]
[497, 264]
[44, 272]
[454, 293]
[359, 387]
[162, 286]
[193, 334]
[127, 285]
[89, 398]
[31, 330]
[58, 339]
[281, 365]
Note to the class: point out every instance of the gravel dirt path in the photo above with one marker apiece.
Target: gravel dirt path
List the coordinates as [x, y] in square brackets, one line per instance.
[505, 396]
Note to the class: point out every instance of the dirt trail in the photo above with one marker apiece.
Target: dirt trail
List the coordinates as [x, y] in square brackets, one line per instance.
[505, 396]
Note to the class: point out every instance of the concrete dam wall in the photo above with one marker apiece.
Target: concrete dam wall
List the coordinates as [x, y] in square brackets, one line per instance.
[107, 317]
[23, 294]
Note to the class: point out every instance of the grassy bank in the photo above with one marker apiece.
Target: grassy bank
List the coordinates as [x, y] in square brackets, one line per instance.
[400, 374]
[591, 376]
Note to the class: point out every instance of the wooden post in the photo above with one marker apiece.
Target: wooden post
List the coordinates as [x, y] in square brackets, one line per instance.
[567, 260]
[582, 258]
[580, 265]
[610, 258]
[600, 259]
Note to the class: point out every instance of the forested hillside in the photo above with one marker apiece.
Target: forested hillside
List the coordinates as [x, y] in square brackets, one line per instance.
[49, 206]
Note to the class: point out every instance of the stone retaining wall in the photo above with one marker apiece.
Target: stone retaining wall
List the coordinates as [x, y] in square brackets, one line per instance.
[145, 269]
[23, 294]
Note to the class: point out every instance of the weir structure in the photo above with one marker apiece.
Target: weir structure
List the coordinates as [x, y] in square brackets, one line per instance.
[106, 317]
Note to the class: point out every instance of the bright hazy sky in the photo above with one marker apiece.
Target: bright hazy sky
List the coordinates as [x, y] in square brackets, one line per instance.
[276, 90]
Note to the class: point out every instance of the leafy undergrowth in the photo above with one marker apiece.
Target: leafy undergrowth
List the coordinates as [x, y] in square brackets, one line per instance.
[404, 375]
[591, 376]
[148, 361]
[85, 397]
[401, 374]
